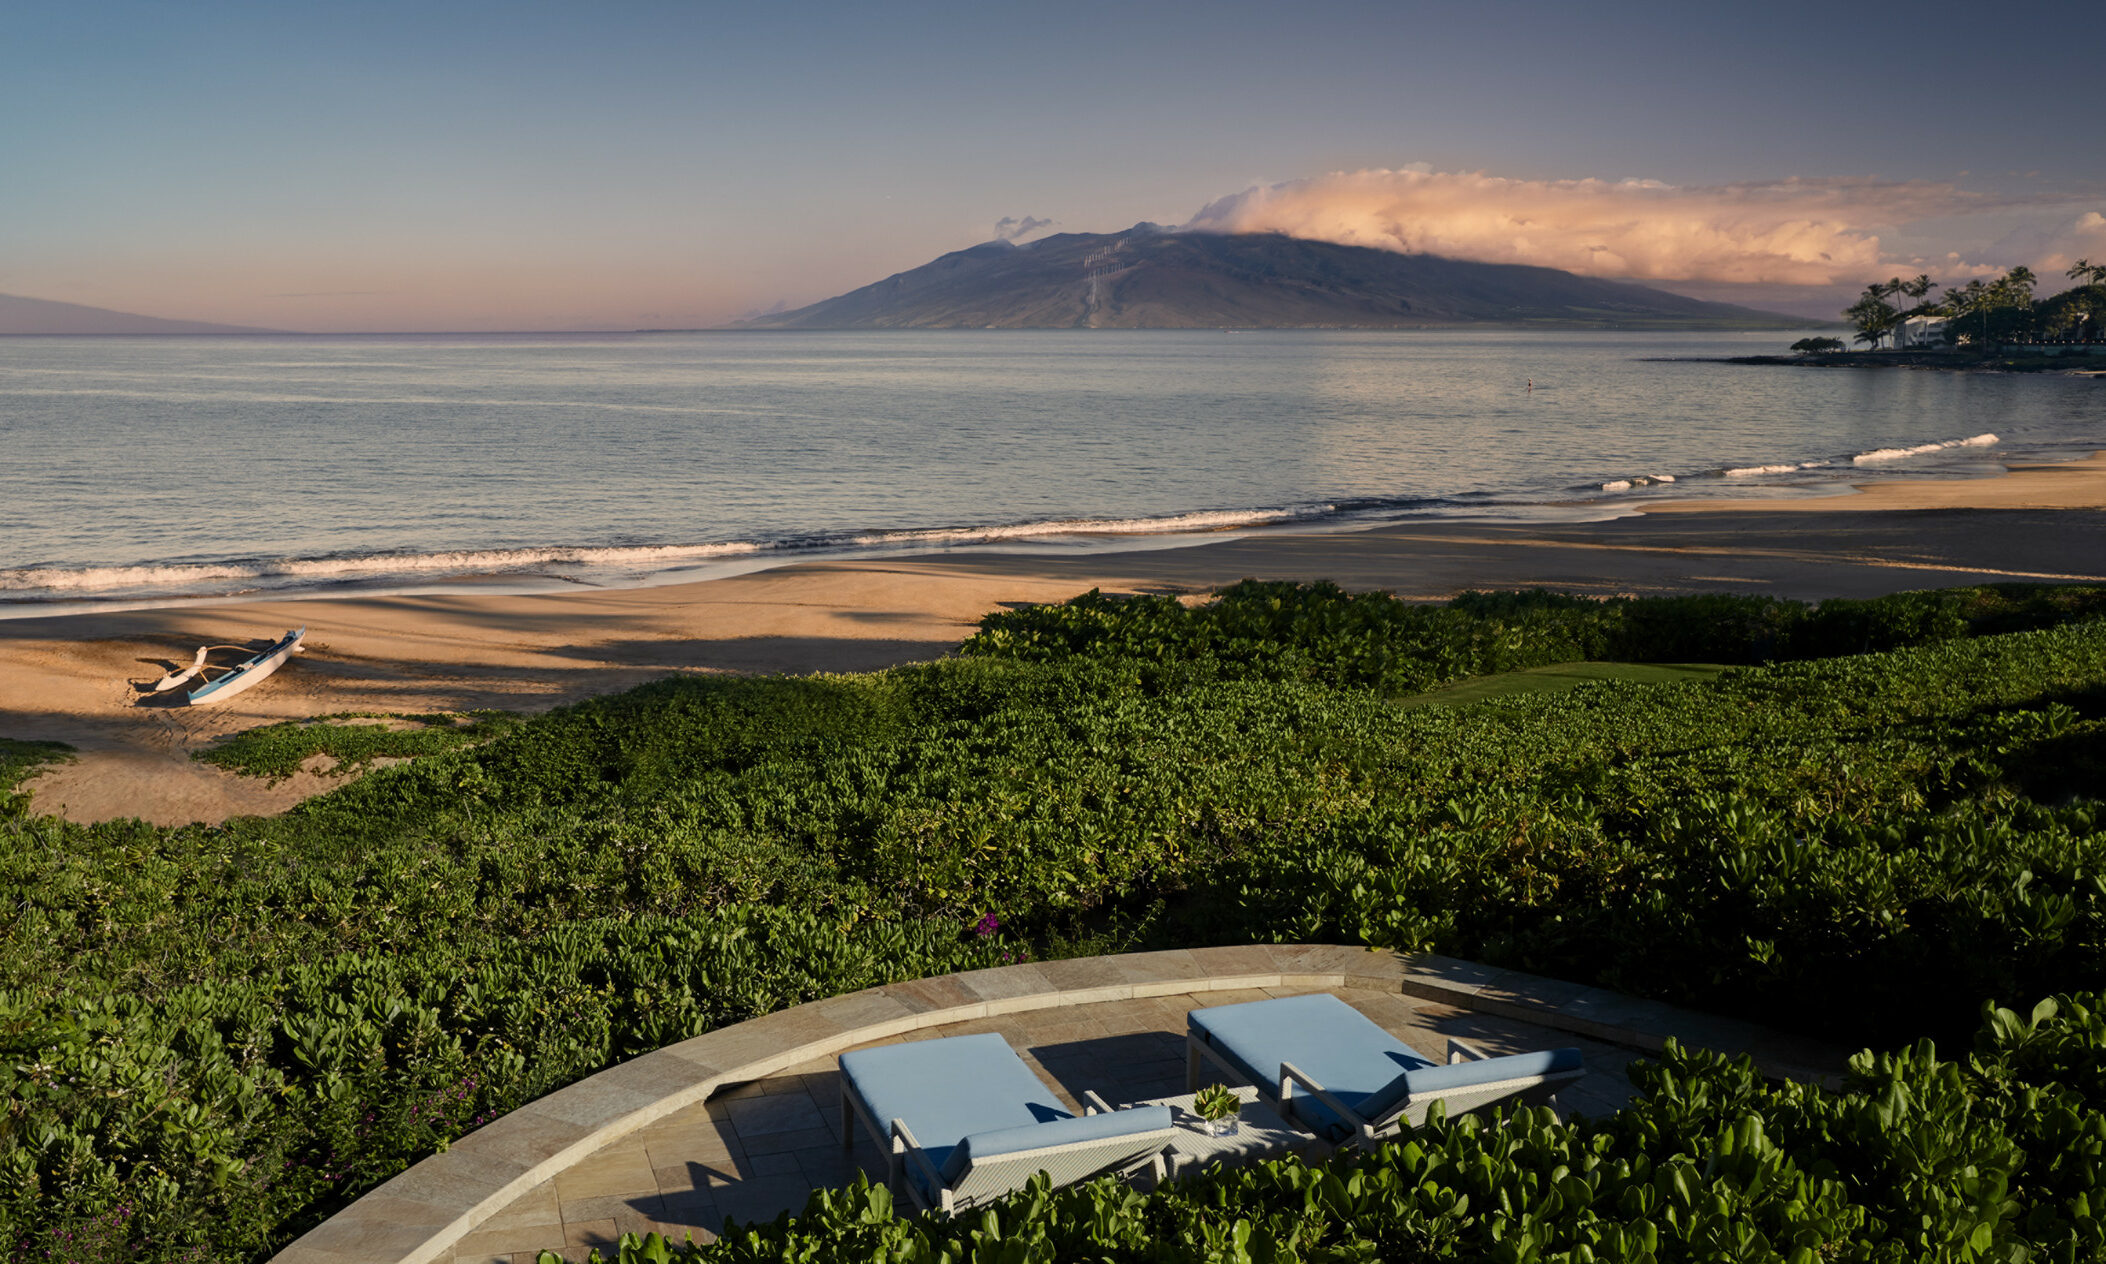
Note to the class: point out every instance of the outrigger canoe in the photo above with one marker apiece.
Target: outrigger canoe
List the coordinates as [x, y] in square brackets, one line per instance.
[242, 675]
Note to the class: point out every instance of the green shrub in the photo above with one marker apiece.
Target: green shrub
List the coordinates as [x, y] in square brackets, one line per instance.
[1284, 631]
[277, 750]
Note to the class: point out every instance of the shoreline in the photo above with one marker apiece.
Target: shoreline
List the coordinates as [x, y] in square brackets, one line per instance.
[69, 677]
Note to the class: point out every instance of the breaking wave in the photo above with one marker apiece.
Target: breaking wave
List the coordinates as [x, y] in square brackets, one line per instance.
[624, 562]
[1642, 480]
[1753, 471]
[1922, 449]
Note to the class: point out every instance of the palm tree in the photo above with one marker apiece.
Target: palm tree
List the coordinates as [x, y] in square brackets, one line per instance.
[1971, 299]
[1871, 313]
[1918, 289]
[2085, 272]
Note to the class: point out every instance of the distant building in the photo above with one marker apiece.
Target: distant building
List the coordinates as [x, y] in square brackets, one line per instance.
[1920, 331]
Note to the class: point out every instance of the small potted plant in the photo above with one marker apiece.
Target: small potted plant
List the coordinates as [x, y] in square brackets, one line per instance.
[1217, 1107]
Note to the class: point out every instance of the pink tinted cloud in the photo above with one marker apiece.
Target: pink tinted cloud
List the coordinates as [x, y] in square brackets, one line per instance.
[2050, 249]
[1784, 232]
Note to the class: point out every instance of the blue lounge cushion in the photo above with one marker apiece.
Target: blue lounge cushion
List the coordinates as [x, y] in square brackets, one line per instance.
[1363, 1066]
[947, 1090]
[1058, 1132]
[1326, 1039]
[1517, 1066]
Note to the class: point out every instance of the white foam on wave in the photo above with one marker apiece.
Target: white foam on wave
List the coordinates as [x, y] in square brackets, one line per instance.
[1643, 480]
[466, 561]
[1209, 520]
[634, 560]
[1751, 471]
[1878, 455]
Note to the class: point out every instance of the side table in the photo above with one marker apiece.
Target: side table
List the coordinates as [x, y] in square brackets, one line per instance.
[1260, 1134]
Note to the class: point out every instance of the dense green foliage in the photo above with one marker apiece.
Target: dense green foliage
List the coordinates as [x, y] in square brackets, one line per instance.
[1318, 632]
[212, 1037]
[278, 750]
[1920, 1160]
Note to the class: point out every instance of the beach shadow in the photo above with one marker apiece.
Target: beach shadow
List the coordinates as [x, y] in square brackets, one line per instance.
[758, 655]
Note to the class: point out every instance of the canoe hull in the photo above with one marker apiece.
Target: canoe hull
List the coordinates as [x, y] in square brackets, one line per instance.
[248, 673]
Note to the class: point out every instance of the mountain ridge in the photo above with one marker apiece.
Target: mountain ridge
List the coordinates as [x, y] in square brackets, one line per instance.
[1149, 277]
[47, 317]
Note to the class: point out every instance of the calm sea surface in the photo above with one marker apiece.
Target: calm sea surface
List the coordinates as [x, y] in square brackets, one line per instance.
[154, 469]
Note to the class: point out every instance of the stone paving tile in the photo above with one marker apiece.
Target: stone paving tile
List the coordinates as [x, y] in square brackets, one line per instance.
[778, 1142]
[1243, 959]
[680, 1178]
[1231, 996]
[703, 1174]
[582, 1237]
[1075, 1028]
[751, 1088]
[625, 1170]
[788, 1111]
[1006, 982]
[485, 1242]
[625, 1207]
[1329, 959]
[783, 1163]
[693, 1212]
[761, 1199]
[831, 1167]
[594, 1100]
[1448, 972]
[691, 1129]
[538, 1206]
[943, 992]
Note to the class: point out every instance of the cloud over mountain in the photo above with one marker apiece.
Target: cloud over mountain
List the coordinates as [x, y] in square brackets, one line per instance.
[1010, 228]
[1782, 232]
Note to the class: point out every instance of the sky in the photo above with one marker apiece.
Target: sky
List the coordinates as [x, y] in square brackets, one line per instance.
[455, 165]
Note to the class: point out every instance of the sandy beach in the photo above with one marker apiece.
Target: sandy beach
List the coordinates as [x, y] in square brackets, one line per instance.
[76, 678]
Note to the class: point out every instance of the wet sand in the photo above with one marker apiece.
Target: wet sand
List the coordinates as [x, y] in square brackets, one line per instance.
[76, 678]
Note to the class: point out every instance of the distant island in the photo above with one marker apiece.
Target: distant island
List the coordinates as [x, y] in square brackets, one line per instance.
[1149, 277]
[19, 315]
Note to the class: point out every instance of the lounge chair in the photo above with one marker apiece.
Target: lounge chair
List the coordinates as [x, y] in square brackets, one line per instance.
[1324, 1066]
[963, 1120]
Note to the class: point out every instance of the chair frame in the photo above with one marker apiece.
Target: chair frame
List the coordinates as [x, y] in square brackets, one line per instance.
[1533, 1090]
[901, 1149]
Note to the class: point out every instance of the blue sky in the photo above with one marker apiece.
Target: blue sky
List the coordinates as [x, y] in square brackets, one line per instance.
[529, 165]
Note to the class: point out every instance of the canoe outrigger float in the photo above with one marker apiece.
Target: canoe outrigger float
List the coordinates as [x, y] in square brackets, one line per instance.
[249, 671]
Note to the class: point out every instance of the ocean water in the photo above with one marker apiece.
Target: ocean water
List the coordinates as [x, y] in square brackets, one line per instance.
[162, 469]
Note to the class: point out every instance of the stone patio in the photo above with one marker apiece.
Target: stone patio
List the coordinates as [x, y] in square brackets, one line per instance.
[738, 1123]
[755, 1150]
